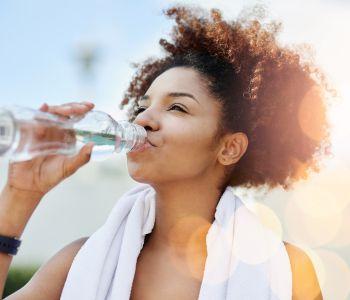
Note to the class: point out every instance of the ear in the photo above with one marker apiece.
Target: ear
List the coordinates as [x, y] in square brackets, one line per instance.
[233, 147]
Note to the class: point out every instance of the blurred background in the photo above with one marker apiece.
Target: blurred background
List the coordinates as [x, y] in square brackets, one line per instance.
[64, 51]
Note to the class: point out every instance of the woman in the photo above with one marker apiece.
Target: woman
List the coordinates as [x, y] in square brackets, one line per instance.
[226, 106]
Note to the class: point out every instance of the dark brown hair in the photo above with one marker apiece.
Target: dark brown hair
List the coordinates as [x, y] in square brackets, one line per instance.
[268, 91]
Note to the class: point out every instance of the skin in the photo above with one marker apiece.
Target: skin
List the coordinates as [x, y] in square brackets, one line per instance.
[186, 169]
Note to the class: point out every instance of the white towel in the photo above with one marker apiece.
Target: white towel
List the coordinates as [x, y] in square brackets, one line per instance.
[244, 261]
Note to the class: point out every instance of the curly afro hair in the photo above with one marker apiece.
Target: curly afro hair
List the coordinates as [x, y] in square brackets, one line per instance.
[270, 92]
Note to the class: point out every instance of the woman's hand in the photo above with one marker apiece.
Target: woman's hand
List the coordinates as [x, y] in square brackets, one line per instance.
[41, 174]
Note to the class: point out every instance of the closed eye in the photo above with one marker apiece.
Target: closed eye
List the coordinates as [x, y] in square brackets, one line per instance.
[141, 109]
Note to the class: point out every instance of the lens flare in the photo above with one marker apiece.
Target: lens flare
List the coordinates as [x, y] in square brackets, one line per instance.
[191, 249]
[336, 281]
[309, 229]
[267, 217]
[342, 238]
[325, 194]
[311, 115]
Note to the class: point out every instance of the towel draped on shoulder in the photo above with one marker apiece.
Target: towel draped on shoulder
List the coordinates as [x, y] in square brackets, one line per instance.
[245, 260]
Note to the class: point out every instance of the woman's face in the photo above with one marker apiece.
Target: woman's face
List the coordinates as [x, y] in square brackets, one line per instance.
[183, 140]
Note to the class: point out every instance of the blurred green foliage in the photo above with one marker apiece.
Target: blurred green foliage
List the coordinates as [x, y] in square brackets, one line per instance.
[18, 277]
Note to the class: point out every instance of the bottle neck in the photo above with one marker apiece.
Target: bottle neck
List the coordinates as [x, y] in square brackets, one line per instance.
[130, 136]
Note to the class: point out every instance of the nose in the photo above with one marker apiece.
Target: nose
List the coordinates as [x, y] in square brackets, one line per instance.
[147, 121]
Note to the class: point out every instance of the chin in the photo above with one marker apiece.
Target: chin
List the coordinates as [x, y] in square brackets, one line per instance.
[138, 175]
[142, 180]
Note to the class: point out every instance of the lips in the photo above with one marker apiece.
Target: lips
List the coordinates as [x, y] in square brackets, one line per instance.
[150, 142]
[147, 144]
[143, 147]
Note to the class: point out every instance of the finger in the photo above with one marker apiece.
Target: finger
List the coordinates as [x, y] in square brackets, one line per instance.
[72, 164]
[69, 109]
[90, 104]
[83, 103]
[44, 107]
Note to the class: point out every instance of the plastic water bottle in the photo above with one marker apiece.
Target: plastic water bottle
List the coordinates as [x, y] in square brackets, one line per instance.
[26, 133]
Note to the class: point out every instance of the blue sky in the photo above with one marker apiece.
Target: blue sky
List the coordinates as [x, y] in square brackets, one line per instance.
[39, 42]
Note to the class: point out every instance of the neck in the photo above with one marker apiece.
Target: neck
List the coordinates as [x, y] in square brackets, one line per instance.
[184, 214]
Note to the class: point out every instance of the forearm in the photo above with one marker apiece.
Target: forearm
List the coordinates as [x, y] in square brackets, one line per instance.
[16, 209]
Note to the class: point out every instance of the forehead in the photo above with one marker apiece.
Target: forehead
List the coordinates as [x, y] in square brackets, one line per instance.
[180, 79]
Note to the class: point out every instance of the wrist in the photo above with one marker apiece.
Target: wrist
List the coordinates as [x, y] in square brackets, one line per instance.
[22, 195]
[16, 208]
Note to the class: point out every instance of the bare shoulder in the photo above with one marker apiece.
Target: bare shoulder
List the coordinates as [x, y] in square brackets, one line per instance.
[48, 281]
[305, 282]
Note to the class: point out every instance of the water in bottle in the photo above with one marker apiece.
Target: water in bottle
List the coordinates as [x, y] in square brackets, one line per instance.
[26, 133]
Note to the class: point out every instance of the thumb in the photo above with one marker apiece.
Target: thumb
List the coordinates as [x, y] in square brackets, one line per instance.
[72, 164]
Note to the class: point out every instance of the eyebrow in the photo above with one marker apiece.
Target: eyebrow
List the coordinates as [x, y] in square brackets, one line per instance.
[174, 95]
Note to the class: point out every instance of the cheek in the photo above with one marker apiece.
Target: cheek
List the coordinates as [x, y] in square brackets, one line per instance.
[184, 152]
[176, 159]
[192, 157]
[193, 143]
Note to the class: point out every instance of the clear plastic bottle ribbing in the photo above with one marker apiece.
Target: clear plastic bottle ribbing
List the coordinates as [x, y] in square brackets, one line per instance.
[26, 133]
